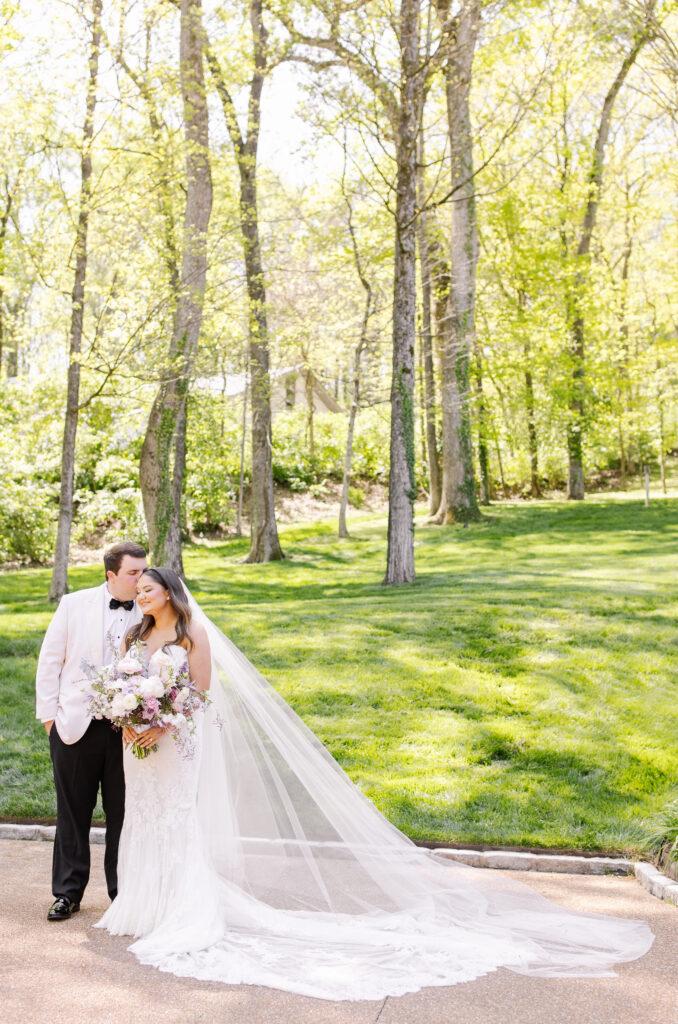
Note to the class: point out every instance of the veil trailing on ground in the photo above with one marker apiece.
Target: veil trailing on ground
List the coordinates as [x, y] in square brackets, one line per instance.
[334, 901]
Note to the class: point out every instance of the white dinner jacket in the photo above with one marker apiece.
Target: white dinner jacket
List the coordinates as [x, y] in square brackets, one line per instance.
[75, 633]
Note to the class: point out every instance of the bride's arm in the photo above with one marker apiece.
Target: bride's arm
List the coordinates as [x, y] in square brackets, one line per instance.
[199, 658]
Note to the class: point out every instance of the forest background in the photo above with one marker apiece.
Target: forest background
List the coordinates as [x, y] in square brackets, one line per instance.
[541, 331]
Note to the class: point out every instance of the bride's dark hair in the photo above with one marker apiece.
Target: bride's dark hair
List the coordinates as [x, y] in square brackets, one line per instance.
[168, 579]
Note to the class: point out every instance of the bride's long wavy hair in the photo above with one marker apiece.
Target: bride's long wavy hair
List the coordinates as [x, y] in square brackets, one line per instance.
[168, 579]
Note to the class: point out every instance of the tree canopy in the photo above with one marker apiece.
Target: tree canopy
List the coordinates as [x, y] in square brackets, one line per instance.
[505, 187]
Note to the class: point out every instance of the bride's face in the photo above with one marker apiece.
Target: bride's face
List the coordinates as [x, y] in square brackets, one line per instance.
[151, 595]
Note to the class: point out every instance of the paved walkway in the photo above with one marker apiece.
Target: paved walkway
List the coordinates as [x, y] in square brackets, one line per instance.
[71, 973]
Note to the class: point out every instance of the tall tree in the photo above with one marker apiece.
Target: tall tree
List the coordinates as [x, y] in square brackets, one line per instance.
[264, 542]
[5, 211]
[161, 466]
[426, 256]
[402, 106]
[576, 316]
[59, 581]
[458, 499]
[402, 487]
[357, 355]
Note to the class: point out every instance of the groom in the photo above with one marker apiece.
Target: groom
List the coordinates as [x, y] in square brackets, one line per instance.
[90, 625]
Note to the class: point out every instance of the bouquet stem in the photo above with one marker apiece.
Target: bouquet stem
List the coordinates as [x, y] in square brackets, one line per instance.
[142, 752]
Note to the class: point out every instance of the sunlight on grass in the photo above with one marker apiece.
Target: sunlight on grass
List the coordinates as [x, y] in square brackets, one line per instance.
[521, 691]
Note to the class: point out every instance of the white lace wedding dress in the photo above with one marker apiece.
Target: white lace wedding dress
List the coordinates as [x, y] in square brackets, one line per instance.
[259, 862]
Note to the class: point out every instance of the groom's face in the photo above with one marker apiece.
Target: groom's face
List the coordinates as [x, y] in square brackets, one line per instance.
[123, 584]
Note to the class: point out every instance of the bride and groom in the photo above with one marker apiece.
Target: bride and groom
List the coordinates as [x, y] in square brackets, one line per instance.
[257, 860]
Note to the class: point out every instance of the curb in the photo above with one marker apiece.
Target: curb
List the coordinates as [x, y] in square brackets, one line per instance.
[510, 860]
[656, 883]
[45, 833]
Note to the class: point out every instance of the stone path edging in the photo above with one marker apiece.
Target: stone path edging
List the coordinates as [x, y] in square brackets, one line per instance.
[514, 860]
[656, 883]
[44, 833]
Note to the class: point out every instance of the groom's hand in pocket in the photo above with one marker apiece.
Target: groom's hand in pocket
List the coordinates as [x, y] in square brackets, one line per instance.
[48, 726]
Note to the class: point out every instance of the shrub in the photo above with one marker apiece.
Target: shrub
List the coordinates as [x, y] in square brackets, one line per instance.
[662, 834]
[27, 522]
[356, 497]
[210, 502]
[109, 515]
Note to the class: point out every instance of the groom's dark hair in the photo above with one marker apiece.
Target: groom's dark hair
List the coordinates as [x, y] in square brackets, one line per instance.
[114, 556]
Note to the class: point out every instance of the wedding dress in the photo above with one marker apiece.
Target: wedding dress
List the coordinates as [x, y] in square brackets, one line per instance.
[258, 861]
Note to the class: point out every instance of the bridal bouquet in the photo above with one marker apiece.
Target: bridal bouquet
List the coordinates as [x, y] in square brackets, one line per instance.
[127, 694]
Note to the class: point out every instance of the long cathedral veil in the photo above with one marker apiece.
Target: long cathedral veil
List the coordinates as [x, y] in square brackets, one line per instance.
[344, 903]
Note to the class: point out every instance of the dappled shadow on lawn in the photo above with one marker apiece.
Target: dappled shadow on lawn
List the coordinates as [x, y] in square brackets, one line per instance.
[522, 682]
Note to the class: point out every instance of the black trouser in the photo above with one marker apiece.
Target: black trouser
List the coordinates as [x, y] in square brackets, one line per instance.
[79, 768]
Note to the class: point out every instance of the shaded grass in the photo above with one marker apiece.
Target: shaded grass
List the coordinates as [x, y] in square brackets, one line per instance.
[522, 691]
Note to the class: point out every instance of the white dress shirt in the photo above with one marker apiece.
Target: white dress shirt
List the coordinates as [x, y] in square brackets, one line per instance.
[117, 624]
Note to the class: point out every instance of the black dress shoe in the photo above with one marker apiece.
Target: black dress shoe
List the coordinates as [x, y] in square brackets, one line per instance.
[62, 908]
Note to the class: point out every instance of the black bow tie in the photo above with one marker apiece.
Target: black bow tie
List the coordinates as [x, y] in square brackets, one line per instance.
[114, 603]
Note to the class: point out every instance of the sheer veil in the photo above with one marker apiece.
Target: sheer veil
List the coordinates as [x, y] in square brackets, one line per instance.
[331, 899]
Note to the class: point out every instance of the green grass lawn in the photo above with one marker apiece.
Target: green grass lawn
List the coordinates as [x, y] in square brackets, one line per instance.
[522, 691]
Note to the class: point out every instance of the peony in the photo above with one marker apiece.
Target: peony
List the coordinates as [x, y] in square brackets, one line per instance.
[164, 665]
[118, 706]
[151, 687]
[130, 665]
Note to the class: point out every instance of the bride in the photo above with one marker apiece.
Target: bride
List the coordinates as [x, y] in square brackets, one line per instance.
[258, 861]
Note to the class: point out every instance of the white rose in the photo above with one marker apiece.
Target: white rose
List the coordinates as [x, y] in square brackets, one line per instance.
[129, 701]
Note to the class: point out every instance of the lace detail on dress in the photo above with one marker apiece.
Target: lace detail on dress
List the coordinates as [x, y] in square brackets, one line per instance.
[160, 857]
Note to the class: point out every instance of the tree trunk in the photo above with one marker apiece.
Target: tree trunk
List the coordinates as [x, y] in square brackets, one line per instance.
[355, 402]
[165, 433]
[357, 356]
[308, 387]
[622, 370]
[458, 501]
[346, 482]
[4, 219]
[264, 542]
[576, 422]
[59, 581]
[535, 487]
[429, 403]
[485, 487]
[401, 487]
[241, 481]
[497, 448]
